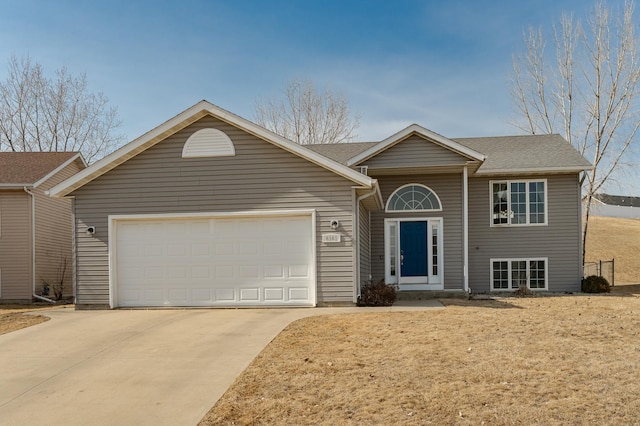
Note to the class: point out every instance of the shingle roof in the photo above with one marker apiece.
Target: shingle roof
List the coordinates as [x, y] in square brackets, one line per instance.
[618, 200]
[504, 153]
[341, 152]
[29, 167]
[529, 152]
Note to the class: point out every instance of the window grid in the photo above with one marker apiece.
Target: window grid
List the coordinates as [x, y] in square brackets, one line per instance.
[434, 249]
[518, 273]
[500, 203]
[500, 275]
[518, 203]
[510, 274]
[392, 249]
[413, 197]
[536, 202]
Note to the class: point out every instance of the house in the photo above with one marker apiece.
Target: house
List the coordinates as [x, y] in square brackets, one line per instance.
[35, 230]
[210, 209]
[615, 206]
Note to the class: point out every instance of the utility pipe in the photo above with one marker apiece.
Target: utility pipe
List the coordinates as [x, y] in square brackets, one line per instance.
[33, 248]
[357, 233]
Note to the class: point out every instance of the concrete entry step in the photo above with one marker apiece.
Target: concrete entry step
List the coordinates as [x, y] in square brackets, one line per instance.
[426, 295]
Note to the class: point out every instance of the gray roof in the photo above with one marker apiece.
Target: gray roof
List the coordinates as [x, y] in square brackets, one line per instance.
[341, 152]
[504, 153]
[618, 200]
[528, 152]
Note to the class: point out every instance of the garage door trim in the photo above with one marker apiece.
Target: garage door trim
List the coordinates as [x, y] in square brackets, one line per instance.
[112, 235]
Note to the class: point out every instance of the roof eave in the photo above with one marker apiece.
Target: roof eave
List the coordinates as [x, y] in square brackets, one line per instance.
[16, 185]
[561, 169]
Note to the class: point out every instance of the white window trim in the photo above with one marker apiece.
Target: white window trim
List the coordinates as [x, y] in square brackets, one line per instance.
[526, 259]
[509, 182]
[386, 207]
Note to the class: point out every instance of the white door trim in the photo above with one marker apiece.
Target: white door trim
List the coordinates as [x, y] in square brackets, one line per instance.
[431, 282]
[112, 232]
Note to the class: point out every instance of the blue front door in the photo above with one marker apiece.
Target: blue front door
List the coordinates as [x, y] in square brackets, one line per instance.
[413, 249]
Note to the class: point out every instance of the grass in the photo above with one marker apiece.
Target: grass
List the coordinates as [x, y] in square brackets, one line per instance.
[549, 360]
[16, 317]
[513, 361]
[610, 238]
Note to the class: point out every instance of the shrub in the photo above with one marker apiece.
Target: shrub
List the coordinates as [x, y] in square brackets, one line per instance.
[595, 284]
[379, 294]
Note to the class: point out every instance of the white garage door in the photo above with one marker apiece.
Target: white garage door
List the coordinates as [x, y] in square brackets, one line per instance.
[213, 261]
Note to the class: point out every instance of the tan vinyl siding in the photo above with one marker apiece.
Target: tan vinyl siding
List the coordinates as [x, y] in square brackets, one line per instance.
[365, 245]
[53, 234]
[559, 241]
[260, 177]
[415, 152]
[15, 245]
[448, 187]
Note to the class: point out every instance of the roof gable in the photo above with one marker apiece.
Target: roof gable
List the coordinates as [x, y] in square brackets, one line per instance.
[426, 134]
[182, 120]
[33, 168]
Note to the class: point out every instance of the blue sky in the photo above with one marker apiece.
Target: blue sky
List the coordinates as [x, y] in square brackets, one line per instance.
[442, 64]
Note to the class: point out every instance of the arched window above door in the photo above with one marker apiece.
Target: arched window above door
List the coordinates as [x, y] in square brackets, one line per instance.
[413, 197]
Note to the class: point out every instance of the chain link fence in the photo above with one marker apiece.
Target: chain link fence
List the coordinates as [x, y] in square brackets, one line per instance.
[603, 268]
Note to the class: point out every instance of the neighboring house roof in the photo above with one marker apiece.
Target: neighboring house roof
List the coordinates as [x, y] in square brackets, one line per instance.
[528, 153]
[411, 130]
[19, 169]
[184, 119]
[618, 200]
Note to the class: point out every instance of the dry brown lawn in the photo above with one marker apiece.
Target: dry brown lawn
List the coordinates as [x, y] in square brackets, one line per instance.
[543, 360]
[610, 238]
[513, 361]
[16, 317]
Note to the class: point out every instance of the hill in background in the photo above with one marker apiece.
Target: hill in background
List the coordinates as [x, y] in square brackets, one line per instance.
[614, 238]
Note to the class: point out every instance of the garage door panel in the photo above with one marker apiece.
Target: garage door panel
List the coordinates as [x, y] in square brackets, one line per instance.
[298, 293]
[215, 261]
[273, 271]
[274, 294]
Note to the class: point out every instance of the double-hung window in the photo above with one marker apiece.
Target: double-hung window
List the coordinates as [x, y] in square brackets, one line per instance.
[518, 202]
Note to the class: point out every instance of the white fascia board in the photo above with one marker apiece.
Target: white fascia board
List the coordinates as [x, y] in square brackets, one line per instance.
[417, 129]
[60, 167]
[181, 121]
[521, 171]
[15, 185]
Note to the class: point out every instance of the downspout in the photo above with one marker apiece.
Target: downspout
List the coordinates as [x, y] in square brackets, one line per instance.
[357, 233]
[465, 225]
[33, 248]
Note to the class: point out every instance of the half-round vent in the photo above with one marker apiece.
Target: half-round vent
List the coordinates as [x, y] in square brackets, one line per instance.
[208, 143]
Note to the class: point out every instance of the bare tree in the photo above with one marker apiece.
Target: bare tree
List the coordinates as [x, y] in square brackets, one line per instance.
[54, 114]
[588, 92]
[308, 116]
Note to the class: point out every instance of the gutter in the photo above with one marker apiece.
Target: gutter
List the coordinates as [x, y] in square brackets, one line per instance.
[33, 248]
[356, 218]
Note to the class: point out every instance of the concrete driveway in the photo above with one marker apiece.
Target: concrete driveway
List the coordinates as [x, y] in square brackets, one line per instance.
[134, 367]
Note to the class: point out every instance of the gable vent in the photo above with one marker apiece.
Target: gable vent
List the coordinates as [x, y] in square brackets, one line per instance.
[208, 143]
